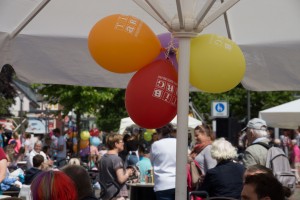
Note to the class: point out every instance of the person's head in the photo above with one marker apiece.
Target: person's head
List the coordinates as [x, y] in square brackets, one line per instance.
[115, 141]
[81, 179]
[277, 142]
[46, 149]
[49, 185]
[74, 161]
[203, 133]
[260, 169]
[15, 135]
[48, 140]
[154, 136]
[27, 135]
[294, 142]
[262, 187]
[165, 131]
[144, 149]
[257, 169]
[38, 146]
[56, 132]
[256, 128]
[223, 150]
[38, 160]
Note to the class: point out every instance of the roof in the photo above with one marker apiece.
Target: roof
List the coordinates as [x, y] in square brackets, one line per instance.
[26, 90]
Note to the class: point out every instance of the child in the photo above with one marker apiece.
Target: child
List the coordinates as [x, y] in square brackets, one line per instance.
[144, 164]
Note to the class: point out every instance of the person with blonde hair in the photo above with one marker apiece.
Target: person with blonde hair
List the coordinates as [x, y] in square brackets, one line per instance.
[226, 179]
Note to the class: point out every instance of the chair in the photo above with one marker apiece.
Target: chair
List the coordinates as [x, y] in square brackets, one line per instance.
[108, 191]
[25, 192]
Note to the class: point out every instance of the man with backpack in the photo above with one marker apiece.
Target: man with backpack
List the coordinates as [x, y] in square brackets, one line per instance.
[260, 152]
[256, 132]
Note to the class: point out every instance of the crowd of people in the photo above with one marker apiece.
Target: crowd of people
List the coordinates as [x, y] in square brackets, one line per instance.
[129, 158]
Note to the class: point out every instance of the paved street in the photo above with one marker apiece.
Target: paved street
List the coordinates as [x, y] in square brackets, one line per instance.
[296, 195]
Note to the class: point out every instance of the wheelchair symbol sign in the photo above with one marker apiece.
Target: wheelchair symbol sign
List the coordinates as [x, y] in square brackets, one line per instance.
[220, 109]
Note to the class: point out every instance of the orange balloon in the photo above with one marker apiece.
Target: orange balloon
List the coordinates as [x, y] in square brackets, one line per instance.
[123, 44]
[84, 144]
[75, 148]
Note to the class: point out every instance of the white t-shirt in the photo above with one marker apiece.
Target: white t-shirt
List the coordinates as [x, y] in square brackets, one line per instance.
[62, 142]
[163, 159]
[31, 155]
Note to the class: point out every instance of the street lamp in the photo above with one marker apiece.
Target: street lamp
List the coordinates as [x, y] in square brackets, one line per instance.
[184, 19]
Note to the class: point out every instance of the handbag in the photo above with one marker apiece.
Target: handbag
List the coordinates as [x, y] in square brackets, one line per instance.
[195, 174]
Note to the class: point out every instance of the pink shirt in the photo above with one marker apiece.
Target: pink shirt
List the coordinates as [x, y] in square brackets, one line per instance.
[94, 150]
[296, 152]
[18, 144]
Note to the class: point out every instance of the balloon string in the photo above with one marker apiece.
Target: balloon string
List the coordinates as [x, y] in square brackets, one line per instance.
[171, 49]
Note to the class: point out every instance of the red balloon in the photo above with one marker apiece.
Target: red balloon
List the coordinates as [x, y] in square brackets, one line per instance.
[94, 132]
[151, 95]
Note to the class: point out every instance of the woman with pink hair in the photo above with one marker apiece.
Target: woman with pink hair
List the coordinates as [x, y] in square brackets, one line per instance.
[53, 185]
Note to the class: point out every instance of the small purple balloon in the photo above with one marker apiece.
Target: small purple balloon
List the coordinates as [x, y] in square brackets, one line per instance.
[170, 43]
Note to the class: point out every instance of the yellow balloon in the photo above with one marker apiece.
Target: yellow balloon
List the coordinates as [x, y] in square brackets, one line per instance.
[217, 64]
[85, 135]
[123, 44]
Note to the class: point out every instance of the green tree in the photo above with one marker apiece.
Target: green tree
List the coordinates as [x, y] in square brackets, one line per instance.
[237, 99]
[112, 111]
[101, 102]
[7, 91]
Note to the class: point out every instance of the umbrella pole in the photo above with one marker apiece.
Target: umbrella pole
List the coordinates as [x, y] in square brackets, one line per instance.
[182, 117]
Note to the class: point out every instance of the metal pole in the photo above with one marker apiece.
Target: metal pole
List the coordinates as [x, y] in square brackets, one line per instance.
[21, 115]
[182, 118]
[248, 106]
[47, 122]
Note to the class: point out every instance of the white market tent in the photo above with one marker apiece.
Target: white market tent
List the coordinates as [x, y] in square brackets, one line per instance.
[52, 48]
[127, 122]
[286, 115]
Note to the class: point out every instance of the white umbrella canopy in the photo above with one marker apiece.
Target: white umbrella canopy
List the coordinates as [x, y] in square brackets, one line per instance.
[53, 46]
[286, 115]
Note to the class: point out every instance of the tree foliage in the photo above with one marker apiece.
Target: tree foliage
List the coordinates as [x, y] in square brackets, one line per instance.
[101, 102]
[112, 112]
[237, 99]
[7, 91]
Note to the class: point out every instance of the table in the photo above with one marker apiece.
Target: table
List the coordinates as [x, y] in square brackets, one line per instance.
[142, 191]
